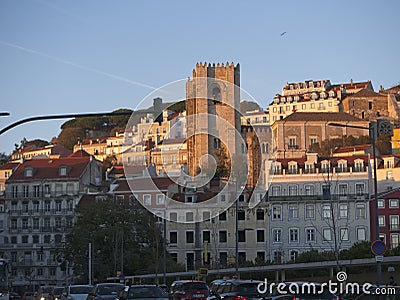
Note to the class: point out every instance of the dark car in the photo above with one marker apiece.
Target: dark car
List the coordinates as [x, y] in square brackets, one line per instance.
[303, 291]
[235, 290]
[57, 292]
[136, 292]
[29, 296]
[189, 289]
[45, 293]
[14, 296]
[375, 293]
[105, 291]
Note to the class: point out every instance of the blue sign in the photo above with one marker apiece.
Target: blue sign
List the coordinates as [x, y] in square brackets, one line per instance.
[378, 248]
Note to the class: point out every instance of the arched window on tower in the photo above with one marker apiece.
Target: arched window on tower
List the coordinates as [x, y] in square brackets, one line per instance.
[216, 95]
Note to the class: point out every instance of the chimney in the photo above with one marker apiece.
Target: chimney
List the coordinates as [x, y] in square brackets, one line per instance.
[158, 108]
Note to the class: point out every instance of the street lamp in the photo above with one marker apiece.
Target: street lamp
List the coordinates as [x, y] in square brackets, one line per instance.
[57, 117]
[372, 130]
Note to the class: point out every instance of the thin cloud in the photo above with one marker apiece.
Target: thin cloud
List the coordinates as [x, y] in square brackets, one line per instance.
[67, 62]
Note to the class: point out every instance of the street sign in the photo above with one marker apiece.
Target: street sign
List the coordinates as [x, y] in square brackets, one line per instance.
[379, 258]
[378, 248]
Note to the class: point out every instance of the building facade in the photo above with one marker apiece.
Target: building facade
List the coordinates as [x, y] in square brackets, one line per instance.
[41, 196]
[312, 200]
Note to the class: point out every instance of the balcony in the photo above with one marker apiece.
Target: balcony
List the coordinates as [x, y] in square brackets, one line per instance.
[335, 197]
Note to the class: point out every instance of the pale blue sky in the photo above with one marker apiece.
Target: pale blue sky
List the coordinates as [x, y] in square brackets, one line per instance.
[94, 56]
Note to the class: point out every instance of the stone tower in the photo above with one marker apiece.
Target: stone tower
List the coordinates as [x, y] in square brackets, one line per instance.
[214, 91]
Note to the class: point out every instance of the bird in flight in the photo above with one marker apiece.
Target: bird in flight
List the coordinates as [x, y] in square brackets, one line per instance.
[283, 33]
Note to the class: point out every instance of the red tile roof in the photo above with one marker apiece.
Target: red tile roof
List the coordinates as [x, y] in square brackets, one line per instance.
[79, 153]
[9, 166]
[48, 169]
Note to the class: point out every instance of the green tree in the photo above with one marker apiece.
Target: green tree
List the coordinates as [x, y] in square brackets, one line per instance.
[119, 233]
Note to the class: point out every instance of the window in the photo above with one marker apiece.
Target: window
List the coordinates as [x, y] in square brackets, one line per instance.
[293, 255]
[242, 236]
[293, 235]
[343, 210]
[25, 239]
[361, 234]
[310, 211]
[360, 189]
[381, 203]
[342, 190]
[293, 189]
[394, 240]
[241, 215]
[36, 191]
[382, 221]
[189, 216]
[260, 236]
[147, 199]
[206, 215]
[393, 203]
[326, 191]
[344, 234]
[277, 235]
[276, 189]
[310, 235]
[206, 236]
[63, 171]
[360, 210]
[173, 237]
[189, 237]
[327, 234]
[173, 216]
[26, 191]
[309, 190]
[293, 170]
[394, 222]
[223, 236]
[260, 214]
[293, 211]
[326, 211]
[222, 216]
[303, 107]
[292, 143]
[276, 212]
[28, 172]
[260, 256]
[58, 206]
[160, 199]
[278, 257]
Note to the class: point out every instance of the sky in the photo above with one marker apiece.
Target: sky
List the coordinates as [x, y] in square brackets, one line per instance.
[59, 57]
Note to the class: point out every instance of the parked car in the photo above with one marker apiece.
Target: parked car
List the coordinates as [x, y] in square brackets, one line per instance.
[105, 291]
[235, 290]
[189, 289]
[57, 292]
[304, 293]
[76, 292]
[137, 292]
[45, 292]
[29, 296]
[14, 296]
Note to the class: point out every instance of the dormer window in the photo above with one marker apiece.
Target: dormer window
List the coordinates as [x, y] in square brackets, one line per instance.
[28, 172]
[359, 166]
[331, 94]
[342, 166]
[322, 95]
[292, 168]
[314, 96]
[63, 171]
[296, 98]
[283, 100]
[289, 99]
